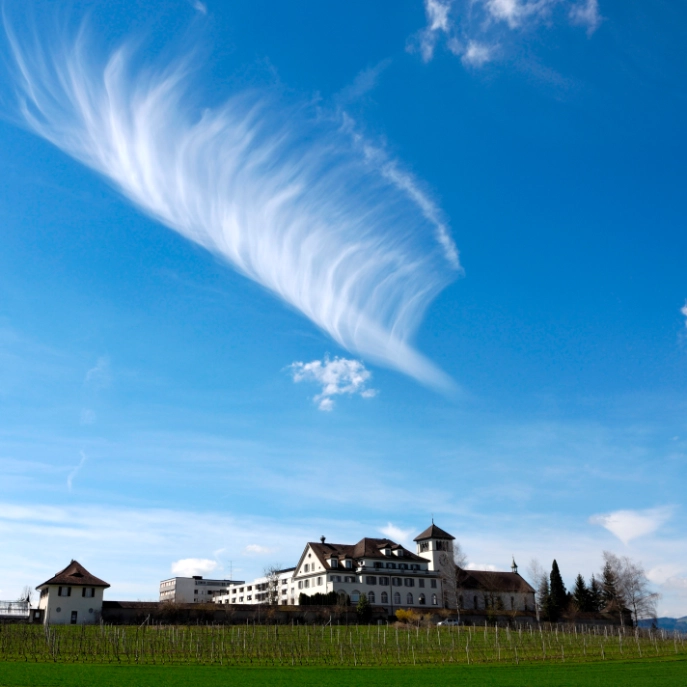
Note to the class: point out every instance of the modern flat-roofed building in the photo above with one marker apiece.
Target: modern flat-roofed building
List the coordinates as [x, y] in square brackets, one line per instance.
[274, 589]
[196, 589]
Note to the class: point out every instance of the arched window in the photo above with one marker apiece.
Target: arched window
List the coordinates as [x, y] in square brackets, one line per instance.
[355, 596]
[421, 600]
[371, 597]
[435, 602]
[397, 598]
[409, 599]
[385, 598]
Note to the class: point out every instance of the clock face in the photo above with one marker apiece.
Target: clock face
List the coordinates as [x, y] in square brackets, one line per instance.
[443, 559]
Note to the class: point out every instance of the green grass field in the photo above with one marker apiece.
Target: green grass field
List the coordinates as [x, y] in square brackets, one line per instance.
[644, 673]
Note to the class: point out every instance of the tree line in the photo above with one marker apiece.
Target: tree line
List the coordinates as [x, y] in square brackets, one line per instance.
[621, 590]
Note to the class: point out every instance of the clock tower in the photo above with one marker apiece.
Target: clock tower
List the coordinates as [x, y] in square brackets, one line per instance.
[436, 546]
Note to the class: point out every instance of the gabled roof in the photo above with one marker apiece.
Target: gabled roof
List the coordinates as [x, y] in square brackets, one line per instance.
[75, 574]
[488, 581]
[365, 548]
[433, 532]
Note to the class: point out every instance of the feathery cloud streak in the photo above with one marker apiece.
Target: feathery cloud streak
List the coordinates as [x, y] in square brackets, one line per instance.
[285, 195]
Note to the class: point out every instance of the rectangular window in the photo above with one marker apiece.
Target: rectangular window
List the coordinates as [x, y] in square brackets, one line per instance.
[307, 583]
[64, 591]
[421, 583]
[370, 579]
[384, 581]
[433, 584]
[88, 592]
[349, 564]
[334, 563]
[300, 584]
[409, 582]
[424, 546]
[319, 581]
[396, 582]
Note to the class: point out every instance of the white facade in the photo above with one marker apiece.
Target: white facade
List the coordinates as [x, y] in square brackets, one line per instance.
[66, 604]
[388, 574]
[275, 589]
[193, 589]
[73, 596]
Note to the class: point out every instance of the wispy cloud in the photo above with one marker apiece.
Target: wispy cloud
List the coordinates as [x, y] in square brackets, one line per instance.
[630, 524]
[336, 377]
[187, 567]
[199, 6]
[75, 471]
[99, 376]
[683, 310]
[87, 416]
[474, 29]
[279, 191]
[364, 82]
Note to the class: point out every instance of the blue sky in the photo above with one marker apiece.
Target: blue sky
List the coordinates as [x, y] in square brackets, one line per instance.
[277, 270]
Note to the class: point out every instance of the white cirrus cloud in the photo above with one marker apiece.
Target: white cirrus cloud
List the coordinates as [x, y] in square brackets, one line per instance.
[336, 377]
[683, 310]
[75, 471]
[279, 190]
[627, 525]
[187, 567]
[472, 29]
[99, 375]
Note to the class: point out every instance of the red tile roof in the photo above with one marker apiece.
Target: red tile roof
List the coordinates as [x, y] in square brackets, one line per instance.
[75, 575]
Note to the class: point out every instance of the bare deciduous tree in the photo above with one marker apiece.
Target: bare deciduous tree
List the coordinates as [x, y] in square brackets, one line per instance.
[540, 581]
[26, 594]
[634, 587]
[272, 575]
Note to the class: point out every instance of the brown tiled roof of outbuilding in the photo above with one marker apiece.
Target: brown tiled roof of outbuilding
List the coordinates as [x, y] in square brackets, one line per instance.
[433, 532]
[75, 575]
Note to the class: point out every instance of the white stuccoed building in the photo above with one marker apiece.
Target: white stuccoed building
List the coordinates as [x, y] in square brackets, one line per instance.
[276, 589]
[73, 596]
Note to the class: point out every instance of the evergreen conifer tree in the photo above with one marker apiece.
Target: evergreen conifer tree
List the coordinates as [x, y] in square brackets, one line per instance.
[363, 609]
[580, 595]
[557, 593]
[595, 596]
[609, 588]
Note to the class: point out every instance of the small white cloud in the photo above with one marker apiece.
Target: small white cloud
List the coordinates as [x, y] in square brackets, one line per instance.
[87, 416]
[73, 473]
[631, 524]
[200, 7]
[337, 376]
[99, 376]
[683, 310]
[257, 548]
[397, 534]
[480, 566]
[476, 54]
[187, 567]
[469, 27]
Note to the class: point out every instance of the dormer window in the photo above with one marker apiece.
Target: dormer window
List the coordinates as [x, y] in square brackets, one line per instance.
[349, 563]
[334, 562]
